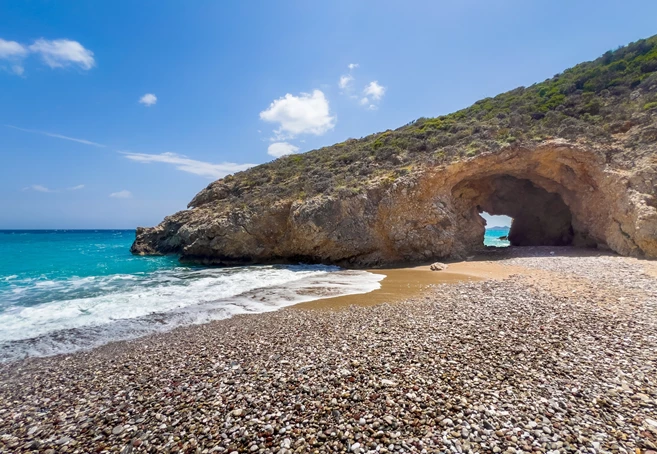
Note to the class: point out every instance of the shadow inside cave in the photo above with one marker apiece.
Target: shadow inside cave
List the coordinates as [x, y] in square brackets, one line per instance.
[539, 217]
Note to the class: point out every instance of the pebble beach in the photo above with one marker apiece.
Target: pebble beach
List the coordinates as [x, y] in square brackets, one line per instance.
[560, 356]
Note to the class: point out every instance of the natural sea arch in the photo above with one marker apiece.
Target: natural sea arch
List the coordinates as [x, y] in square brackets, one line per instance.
[540, 218]
[558, 193]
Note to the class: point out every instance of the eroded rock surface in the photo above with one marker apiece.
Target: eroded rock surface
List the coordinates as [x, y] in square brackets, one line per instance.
[540, 218]
[560, 192]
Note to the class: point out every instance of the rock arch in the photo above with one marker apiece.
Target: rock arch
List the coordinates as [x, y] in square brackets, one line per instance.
[540, 218]
[609, 208]
[431, 213]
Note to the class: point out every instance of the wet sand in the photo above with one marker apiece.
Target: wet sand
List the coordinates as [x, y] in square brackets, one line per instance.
[403, 283]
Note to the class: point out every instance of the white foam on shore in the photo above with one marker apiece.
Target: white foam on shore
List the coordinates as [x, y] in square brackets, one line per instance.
[83, 313]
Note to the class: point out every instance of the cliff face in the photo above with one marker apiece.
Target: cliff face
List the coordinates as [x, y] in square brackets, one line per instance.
[573, 160]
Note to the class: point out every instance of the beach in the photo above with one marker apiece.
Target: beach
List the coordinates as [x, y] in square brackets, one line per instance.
[534, 349]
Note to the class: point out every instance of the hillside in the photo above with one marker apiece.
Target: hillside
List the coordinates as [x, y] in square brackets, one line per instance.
[606, 108]
[592, 102]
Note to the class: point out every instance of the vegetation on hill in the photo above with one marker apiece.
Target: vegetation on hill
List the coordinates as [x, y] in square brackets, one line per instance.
[596, 102]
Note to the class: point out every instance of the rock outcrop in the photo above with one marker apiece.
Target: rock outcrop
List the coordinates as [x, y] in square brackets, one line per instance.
[571, 165]
[558, 193]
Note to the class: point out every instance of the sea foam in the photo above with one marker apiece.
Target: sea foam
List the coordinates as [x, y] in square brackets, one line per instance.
[60, 316]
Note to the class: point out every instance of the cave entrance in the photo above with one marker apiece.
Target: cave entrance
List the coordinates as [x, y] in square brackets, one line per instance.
[539, 217]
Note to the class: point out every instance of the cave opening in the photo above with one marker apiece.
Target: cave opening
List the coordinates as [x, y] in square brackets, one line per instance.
[539, 217]
[497, 230]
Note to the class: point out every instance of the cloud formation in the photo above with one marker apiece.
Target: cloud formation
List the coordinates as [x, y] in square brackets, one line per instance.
[307, 113]
[58, 136]
[373, 94]
[124, 194]
[14, 53]
[11, 49]
[38, 188]
[375, 90]
[57, 53]
[279, 149]
[181, 162]
[41, 188]
[345, 81]
[148, 99]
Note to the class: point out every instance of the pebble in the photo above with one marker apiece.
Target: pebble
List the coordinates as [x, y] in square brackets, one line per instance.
[557, 362]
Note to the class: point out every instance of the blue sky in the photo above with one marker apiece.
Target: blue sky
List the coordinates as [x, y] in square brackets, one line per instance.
[226, 84]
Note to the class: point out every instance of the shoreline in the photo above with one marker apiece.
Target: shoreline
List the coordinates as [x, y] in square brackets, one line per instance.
[397, 284]
[407, 282]
[557, 358]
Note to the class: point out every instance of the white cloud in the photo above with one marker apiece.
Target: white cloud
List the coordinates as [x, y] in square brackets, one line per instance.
[41, 188]
[59, 53]
[279, 149]
[345, 81]
[148, 99]
[56, 53]
[372, 93]
[11, 49]
[13, 52]
[38, 188]
[124, 194]
[375, 90]
[303, 114]
[58, 136]
[186, 164]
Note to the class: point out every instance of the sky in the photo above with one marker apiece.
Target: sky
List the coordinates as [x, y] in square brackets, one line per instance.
[114, 114]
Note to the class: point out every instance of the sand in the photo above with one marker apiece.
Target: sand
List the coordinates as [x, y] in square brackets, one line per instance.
[403, 283]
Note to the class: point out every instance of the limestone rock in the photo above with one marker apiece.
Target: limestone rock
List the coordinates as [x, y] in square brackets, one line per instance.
[558, 193]
[438, 266]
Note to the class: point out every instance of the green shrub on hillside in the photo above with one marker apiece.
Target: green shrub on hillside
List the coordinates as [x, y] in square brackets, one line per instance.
[589, 102]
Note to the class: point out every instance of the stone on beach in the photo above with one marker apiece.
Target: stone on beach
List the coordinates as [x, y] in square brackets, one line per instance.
[438, 266]
[573, 372]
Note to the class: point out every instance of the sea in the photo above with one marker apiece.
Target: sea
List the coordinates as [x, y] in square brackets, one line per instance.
[67, 290]
[494, 237]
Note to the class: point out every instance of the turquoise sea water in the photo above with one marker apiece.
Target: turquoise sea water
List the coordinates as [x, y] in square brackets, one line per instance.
[62, 291]
[492, 237]
[67, 290]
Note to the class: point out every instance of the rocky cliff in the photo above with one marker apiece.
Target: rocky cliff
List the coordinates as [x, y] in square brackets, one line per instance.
[573, 160]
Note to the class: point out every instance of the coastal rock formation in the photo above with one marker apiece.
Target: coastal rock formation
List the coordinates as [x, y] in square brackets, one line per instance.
[573, 160]
[557, 193]
[539, 217]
